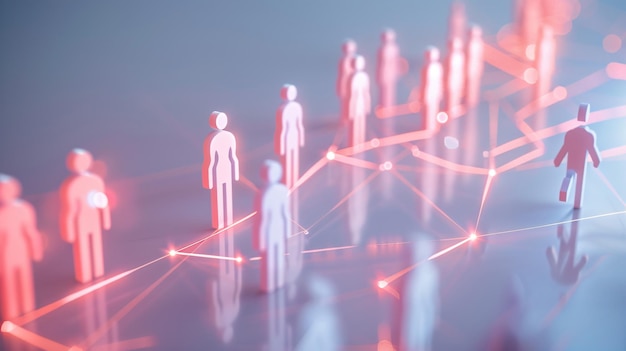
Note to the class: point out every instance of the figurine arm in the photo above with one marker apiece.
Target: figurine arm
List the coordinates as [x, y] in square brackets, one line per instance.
[68, 214]
[368, 100]
[233, 156]
[208, 164]
[301, 128]
[594, 153]
[279, 136]
[106, 214]
[559, 157]
[287, 217]
[33, 235]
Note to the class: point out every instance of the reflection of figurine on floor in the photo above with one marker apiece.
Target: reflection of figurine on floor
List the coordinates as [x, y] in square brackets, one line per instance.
[20, 243]
[418, 309]
[272, 227]
[226, 289]
[578, 142]
[84, 213]
[319, 325]
[278, 328]
[505, 333]
[563, 265]
[357, 204]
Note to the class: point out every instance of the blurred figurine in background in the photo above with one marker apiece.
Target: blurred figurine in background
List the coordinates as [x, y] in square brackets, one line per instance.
[431, 88]
[475, 65]
[219, 168]
[417, 311]
[545, 61]
[578, 142]
[84, 213]
[272, 227]
[20, 243]
[360, 103]
[389, 69]
[454, 76]
[289, 135]
[319, 324]
[528, 18]
[343, 78]
[457, 21]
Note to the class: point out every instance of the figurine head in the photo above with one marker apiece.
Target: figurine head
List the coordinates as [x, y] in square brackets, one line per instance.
[583, 112]
[218, 120]
[431, 54]
[271, 171]
[10, 188]
[349, 46]
[289, 92]
[388, 36]
[358, 63]
[475, 32]
[546, 32]
[79, 160]
[456, 44]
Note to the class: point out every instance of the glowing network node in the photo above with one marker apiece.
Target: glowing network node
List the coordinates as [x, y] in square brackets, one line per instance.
[530, 52]
[97, 199]
[492, 172]
[531, 75]
[172, 253]
[473, 236]
[415, 150]
[7, 327]
[239, 259]
[386, 166]
[330, 155]
[560, 92]
[375, 142]
[442, 117]
[612, 43]
[485, 154]
[451, 143]
[382, 284]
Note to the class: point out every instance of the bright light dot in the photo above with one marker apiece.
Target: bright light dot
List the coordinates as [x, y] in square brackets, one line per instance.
[492, 172]
[330, 155]
[612, 43]
[485, 154]
[473, 236]
[382, 284]
[172, 253]
[531, 75]
[239, 259]
[442, 117]
[560, 92]
[375, 142]
[415, 151]
[451, 143]
[97, 199]
[386, 166]
[306, 232]
[7, 327]
[530, 52]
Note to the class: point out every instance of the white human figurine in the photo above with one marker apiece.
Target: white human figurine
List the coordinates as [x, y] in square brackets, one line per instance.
[289, 137]
[343, 77]
[474, 65]
[20, 244]
[360, 104]
[319, 323]
[545, 61]
[219, 168]
[431, 88]
[272, 227]
[578, 142]
[563, 268]
[225, 290]
[388, 70]
[84, 213]
[418, 308]
[454, 76]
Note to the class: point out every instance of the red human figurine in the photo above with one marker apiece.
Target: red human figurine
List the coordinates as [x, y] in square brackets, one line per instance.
[289, 134]
[20, 243]
[564, 267]
[455, 75]
[84, 213]
[545, 60]
[474, 66]
[578, 142]
[360, 104]
[388, 70]
[343, 78]
[272, 227]
[431, 88]
[219, 168]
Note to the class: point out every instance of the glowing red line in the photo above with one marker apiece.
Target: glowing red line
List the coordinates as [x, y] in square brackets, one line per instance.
[451, 165]
[616, 70]
[504, 62]
[553, 224]
[328, 249]
[445, 251]
[33, 338]
[308, 174]
[542, 102]
[345, 198]
[397, 110]
[178, 253]
[482, 201]
[248, 183]
[420, 194]
[218, 232]
[132, 344]
[520, 161]
[618, 151]
[610, 186]
[493, 131]
[587, 83]
[508, 88]
[387, 141]
[355, 162]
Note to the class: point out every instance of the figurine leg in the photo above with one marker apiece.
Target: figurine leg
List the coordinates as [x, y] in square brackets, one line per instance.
[566, 185]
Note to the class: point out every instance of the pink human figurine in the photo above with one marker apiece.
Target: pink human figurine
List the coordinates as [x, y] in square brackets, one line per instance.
[84, 213]
[20, 243]
[431, 88]
[343, 78]
[360, 104]
[226, 289]
[474, 66]
[289, 134]
[455, 75]
[545, 60]
[563, 266]
[529, 18]
[272, 227]
[578, 142]
[456, 21]
[219, 168]
[388, 70]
